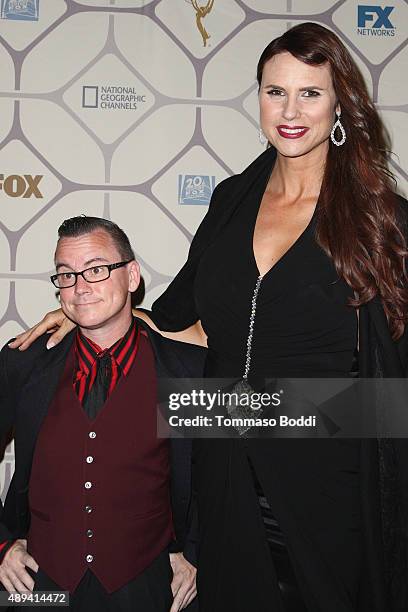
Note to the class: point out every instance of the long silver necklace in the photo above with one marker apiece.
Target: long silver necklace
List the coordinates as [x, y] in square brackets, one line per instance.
[239, 407]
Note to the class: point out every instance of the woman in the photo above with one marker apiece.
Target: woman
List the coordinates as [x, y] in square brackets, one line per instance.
[313, 232]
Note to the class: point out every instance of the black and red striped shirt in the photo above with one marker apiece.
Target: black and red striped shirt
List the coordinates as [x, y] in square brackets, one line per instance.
[123, 353]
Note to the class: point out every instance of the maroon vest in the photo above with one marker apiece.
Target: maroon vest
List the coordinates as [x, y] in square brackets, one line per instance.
[99, 490]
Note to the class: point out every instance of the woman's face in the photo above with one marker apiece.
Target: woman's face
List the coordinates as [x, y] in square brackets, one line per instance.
[297, 103]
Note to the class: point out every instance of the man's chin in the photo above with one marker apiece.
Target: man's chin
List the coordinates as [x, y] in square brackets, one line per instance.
[90, 326]
[86, 320]
[90, 322]
[93, 317]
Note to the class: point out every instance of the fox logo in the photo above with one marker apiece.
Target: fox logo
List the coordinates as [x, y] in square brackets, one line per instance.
[16, 186]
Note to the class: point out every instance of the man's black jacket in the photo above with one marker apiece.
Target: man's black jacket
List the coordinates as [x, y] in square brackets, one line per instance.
[28, 381]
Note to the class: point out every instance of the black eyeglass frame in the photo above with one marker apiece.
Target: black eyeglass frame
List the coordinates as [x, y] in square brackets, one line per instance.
[110, 267]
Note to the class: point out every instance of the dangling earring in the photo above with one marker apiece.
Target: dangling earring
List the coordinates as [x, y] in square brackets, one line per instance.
[338, 124]
[262, 138]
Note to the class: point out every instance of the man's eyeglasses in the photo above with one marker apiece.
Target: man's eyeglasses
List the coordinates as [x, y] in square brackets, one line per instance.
[96, 274]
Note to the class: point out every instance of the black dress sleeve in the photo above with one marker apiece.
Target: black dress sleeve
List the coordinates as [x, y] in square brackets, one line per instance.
[175, 309]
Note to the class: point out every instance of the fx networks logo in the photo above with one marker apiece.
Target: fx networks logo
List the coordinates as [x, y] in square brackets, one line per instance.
[375, 20]
[111, 97]
[16, 186]
[20, 10]
[195, 188]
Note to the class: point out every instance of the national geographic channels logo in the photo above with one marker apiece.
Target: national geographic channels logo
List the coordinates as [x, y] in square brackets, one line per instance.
[112, 97]
[17, 186]
[375, 20]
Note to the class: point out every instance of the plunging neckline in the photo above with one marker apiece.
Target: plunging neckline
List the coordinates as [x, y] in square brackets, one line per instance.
[288, 251]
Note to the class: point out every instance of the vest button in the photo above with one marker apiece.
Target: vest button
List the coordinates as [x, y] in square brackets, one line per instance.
[89, 533]
[88, 509]
[92, 434]
[89, 558]
[88, 484]
[89, 459]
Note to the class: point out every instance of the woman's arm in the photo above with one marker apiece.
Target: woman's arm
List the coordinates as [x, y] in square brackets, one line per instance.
[192, 335]
[175, 307]
[57, 324]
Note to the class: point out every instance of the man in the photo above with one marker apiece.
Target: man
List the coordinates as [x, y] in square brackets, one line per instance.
[97, 500]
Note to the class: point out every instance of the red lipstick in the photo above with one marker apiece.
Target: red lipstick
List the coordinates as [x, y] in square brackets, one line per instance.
[292, 131]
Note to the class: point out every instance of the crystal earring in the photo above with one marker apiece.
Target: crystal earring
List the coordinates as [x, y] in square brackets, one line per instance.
[262, 138]
[338, 124]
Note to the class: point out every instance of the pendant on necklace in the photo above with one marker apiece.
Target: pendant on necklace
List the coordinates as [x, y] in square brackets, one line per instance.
[239, 407]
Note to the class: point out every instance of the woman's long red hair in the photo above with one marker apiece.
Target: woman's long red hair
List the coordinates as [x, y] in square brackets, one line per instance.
[360, 219]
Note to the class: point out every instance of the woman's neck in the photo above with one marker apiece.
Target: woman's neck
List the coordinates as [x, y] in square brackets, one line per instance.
[298, 178]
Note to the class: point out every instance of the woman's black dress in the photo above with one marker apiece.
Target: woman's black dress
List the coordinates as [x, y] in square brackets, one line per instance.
[335, 506]
[307, 530]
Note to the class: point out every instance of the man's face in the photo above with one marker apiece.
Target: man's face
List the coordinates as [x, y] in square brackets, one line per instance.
[93, 305]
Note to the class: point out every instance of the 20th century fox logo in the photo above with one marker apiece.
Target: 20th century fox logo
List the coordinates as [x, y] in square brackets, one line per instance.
[25, 186]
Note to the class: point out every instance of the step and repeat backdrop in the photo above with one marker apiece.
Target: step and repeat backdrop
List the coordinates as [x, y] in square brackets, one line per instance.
[135, 109]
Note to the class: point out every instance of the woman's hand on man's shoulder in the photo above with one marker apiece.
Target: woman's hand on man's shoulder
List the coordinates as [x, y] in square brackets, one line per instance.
[54, 323]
